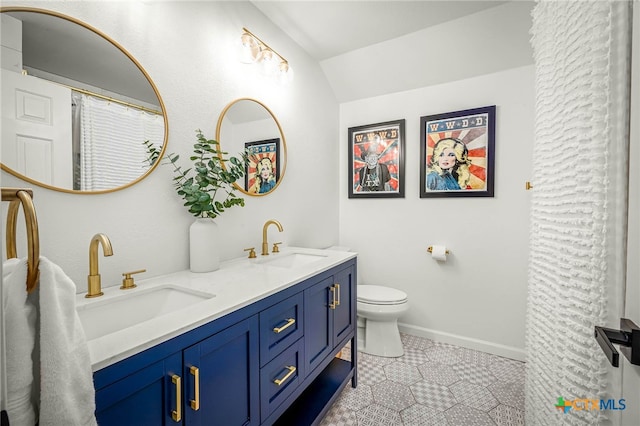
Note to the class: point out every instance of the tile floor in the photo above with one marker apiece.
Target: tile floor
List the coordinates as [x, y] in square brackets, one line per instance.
[432, 384]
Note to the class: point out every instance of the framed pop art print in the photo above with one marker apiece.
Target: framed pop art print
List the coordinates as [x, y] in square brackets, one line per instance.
[263, 170]
[457, 153]
[376, 160]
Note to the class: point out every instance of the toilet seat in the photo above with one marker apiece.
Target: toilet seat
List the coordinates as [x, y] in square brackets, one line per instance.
[379, 295]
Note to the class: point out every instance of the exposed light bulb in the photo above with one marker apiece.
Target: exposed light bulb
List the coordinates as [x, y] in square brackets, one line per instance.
[286, 73]
[269, 62]
[250, 49]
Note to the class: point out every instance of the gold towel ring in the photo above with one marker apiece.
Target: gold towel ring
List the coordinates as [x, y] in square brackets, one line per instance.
[17, 197]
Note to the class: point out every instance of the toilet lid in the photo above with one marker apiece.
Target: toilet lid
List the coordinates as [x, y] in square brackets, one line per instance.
[379, 295]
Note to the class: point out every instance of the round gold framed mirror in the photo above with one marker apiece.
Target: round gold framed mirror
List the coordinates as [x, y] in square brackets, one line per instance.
[247, 124]
[80, 114]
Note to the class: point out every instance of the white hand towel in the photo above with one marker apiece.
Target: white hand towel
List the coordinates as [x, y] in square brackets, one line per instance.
[20, 321]
[67, 395]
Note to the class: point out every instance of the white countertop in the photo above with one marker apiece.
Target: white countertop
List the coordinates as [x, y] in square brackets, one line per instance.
[236, 284]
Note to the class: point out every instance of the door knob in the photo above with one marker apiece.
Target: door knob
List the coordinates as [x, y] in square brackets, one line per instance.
[628, 337]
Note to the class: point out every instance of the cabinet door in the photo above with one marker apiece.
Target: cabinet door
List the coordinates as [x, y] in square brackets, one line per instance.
[318, 323]
[344, 312]
[147, 397]
[222, 379]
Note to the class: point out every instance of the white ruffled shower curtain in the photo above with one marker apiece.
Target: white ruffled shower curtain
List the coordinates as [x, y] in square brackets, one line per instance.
[578, 205]
[112, 152]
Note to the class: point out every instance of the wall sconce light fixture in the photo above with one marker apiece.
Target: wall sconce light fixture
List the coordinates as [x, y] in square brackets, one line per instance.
[255, 50]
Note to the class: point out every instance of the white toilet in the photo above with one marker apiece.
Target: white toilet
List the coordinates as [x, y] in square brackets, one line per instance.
[378, 311]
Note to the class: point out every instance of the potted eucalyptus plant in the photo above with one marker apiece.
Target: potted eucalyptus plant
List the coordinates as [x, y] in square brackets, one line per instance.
[207, 190]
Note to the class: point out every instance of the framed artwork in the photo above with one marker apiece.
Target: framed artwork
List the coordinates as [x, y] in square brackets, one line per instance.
[376, 160]
[457, 153]
[263, 169]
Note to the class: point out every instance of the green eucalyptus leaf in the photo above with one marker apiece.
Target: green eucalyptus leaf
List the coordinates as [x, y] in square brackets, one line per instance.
[198, 186]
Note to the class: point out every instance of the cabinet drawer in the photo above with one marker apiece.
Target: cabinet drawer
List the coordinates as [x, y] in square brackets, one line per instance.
[280, 378]
[280, 326]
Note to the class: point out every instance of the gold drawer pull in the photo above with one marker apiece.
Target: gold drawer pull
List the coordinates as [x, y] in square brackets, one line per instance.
[337, 286]
[292, 370]
[290, 322]
[195, 403]
[176, 414]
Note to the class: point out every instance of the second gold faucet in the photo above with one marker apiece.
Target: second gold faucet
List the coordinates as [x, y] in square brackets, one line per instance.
[93, 280]
[265, 244]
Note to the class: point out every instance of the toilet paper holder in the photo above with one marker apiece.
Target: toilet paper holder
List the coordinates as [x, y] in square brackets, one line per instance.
[430, 250]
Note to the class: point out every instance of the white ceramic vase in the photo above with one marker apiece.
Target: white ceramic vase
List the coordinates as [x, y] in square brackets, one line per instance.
[204, 240]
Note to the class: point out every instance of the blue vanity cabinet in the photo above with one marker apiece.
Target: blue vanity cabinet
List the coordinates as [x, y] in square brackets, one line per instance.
[272, 362]
[212, 382]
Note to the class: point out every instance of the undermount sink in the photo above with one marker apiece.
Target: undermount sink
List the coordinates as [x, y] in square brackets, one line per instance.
[104, 317]
[291, 260]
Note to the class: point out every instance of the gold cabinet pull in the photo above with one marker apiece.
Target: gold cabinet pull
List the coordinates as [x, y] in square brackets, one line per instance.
[195, 403]
[290, 322]
[337, 291]
[332, 304]
[291, 369]
[176, 414]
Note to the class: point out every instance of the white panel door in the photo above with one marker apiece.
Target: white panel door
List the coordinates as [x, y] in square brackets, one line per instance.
[36, 129]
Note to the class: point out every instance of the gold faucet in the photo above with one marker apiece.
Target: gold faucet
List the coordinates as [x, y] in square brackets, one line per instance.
[93, 280]
[265, 244]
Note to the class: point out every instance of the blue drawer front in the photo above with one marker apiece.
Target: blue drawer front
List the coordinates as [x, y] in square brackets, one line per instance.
[280, 326]
[287, 369]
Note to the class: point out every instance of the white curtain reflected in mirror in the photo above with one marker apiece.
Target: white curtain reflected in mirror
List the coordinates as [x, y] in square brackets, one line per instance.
[109, 146]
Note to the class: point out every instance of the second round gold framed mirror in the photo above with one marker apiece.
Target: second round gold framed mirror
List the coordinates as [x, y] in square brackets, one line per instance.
[248, 124]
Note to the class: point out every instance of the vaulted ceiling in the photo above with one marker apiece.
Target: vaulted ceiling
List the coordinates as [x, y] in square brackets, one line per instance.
[372, 48]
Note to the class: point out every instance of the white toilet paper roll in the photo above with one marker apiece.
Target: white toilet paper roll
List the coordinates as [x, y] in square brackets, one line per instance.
[439, 253]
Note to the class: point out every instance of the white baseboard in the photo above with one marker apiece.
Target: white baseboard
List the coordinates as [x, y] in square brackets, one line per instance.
[466, 342]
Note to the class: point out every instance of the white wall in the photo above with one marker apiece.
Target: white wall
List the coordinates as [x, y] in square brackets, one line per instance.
[481, 43]
[478, 297]
[11, 44]
[188, 49]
